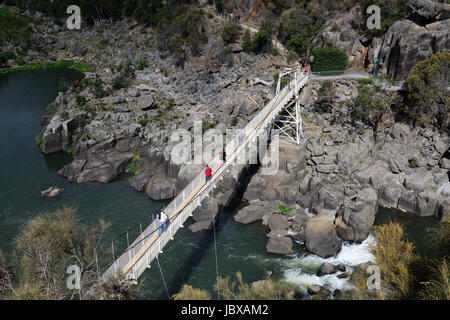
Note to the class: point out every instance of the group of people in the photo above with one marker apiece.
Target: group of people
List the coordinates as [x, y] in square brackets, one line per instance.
[304, 66]
[229, 15]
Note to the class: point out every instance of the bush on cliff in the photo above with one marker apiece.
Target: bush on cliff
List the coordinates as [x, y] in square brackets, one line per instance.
[14, 31]
[231, 32]
[329, 59]
[428, 98]
[261, 41]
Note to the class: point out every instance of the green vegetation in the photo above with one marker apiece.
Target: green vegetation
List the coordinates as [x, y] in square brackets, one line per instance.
[14, 31]
[428, 98]
[47, 245]
[292, 57]
[407, 275]
[143, 121]
[261, 40]
[391, 11]
[298, 28]
[70, 150]
[231, 32]
[50, 107]
[285, 210]
[80, 66]
[329, 59]
[413, 163]
[372, 103]
[80, 99]
[206, 125]
[142, 64]
[132, 166]
[38, 140]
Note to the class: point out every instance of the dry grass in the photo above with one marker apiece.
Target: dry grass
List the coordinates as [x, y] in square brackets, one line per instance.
[438, 288]
[190, 293]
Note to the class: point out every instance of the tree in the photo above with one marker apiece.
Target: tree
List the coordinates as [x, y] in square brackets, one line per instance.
[46, 247]
[231, 32]
[428, 99]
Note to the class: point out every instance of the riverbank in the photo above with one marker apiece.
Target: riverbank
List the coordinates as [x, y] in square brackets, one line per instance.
[59, 65]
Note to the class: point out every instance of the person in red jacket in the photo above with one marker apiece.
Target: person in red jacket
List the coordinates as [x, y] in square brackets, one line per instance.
[208, 173]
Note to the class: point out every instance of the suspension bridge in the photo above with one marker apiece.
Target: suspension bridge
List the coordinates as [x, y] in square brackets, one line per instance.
[282, 114]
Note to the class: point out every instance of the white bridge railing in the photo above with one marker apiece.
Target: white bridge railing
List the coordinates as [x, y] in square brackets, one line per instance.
[139, 255]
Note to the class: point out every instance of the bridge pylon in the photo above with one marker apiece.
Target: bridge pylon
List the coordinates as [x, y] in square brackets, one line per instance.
[290, 123]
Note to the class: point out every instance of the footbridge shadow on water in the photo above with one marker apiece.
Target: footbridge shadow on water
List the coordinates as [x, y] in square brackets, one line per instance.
[225, 213]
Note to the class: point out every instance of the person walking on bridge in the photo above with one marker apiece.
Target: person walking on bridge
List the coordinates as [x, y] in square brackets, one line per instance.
[224, 156]
[208, 173]
[162, 218]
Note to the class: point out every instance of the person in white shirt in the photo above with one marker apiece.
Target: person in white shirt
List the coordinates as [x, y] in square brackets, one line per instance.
[162, 217]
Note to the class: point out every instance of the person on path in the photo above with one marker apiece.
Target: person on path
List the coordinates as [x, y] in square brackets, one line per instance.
[224, 156]
[162, 218]
[208, 173]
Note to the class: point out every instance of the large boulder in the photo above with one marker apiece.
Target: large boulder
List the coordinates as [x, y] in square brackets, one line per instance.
[407, 43]
[205, 215]
[419, 180]
[389, 195]
[161, 188]
[321, 238]
[280, 245]
[255, 212]
[278, 222]
[326, 268]
[355, 220]
[327, 200]
[426, 11]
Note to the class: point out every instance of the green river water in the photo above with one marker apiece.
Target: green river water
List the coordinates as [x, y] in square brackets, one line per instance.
[190, 258]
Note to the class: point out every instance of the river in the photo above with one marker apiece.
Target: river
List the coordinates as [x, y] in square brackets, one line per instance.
[190, 258]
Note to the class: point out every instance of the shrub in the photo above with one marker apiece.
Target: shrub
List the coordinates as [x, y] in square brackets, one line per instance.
[396, 279]
[187, 292]
[50, 107]
[413, 163]
[285, 210]
[329, 59]
[438, 287]
[428, 98]
[231, 32]
[5, 56]
[247, 44]
[298, 28]
[292, 57]
[80, 99]
[38, 141]
[119, 83]
[62, 86]
[267, 289]
[142, 64]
